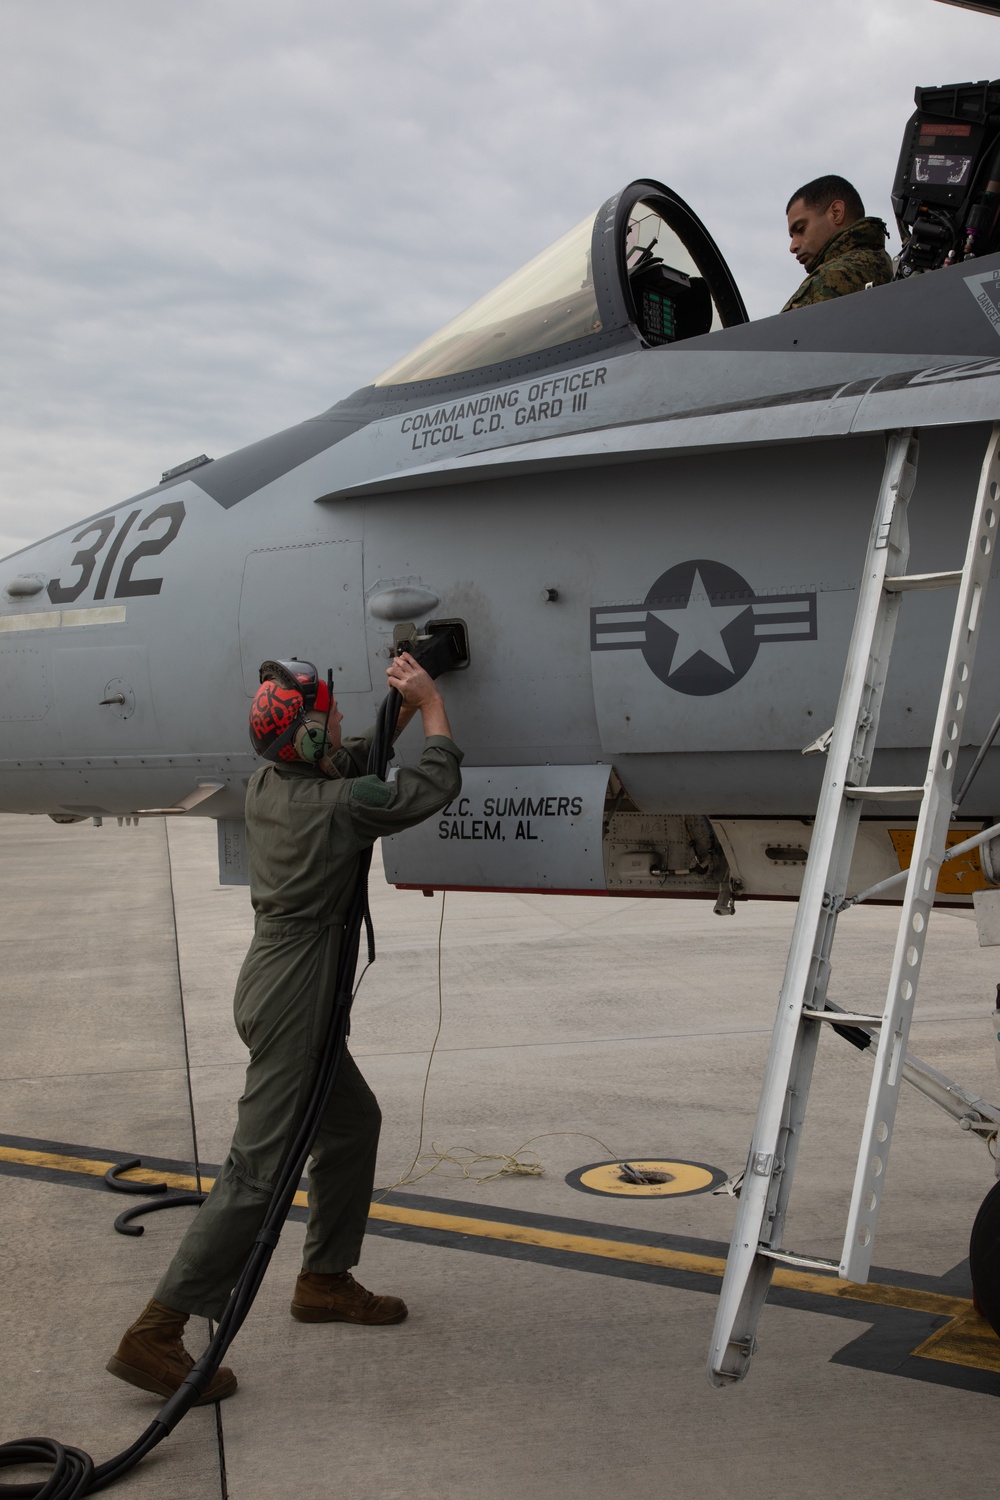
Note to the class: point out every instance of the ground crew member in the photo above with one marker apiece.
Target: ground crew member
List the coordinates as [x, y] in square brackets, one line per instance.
[831, 238]
[309, 814]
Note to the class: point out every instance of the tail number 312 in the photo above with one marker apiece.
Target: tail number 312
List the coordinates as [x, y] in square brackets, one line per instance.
[100, 531]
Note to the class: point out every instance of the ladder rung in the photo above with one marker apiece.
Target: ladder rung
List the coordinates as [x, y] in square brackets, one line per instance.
[907, 581]
[884, 793]
[801, 1262]
[841, 1017]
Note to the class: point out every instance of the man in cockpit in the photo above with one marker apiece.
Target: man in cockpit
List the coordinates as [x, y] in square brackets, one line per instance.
[833, 241]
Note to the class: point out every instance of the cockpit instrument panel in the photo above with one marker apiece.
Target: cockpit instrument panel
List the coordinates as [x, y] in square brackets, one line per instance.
[670, 298]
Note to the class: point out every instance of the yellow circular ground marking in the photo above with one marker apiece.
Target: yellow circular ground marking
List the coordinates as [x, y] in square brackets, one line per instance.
[665, 1179]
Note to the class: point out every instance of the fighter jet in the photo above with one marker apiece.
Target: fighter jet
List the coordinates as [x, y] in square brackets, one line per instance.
[641, 514]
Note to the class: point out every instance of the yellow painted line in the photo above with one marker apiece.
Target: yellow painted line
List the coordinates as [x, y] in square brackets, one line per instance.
[877, 1292]
[910, 1298]
[94, 1168]
[550, 1239]
[672, 1260]
[966, 1340]
[91, 1168]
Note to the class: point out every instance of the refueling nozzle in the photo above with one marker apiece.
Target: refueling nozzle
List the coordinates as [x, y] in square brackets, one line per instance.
[442, 645]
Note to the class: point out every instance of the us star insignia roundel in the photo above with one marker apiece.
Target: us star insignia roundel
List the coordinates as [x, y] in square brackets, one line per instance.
[701, 625]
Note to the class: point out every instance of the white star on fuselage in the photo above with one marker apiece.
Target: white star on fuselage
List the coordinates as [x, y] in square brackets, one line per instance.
[699, 626]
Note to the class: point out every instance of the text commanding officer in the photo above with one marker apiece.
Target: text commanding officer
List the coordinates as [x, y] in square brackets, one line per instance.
[309, 816]
[831, 238]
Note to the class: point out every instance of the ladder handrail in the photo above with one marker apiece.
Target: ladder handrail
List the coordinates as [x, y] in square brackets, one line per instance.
[929, 842]
[779, 1114]
[757, 1235]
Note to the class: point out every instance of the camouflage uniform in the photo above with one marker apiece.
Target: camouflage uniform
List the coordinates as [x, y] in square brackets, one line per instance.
[845, 264]
[305, 834]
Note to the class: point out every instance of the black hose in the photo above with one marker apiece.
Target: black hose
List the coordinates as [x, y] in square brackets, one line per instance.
[74, 1473]
[119, 1185]
[71, 1468]
[124, 1225]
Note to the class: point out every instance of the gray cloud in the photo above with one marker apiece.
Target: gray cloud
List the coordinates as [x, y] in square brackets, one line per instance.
[222, 217]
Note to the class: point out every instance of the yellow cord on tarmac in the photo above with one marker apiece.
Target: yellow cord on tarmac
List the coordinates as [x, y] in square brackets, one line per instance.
[466, 1157]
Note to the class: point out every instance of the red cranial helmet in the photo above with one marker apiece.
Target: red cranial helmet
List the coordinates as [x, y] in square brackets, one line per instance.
[275, 714]
[287, 689]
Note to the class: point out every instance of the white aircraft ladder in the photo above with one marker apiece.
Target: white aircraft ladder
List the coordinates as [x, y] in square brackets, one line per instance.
[756, 1246]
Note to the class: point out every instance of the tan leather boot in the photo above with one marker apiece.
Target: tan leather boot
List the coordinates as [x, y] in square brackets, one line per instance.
[152, 1356]
[322, 1298]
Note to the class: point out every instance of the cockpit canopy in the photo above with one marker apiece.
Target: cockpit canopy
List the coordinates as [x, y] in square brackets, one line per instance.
[644, 266]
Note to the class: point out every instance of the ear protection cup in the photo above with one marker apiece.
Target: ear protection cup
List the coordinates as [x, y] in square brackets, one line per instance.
[314, 744]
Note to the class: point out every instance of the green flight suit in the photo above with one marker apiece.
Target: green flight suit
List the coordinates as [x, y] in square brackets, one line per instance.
[305, 834]
[846, 264]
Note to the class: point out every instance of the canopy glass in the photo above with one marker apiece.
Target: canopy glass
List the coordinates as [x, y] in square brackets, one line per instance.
[647, 277]
[549, 301]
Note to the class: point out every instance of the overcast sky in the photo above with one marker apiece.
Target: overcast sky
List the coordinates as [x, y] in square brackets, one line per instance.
[221, 216]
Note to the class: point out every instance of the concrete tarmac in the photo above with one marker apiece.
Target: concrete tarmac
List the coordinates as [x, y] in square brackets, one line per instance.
[557, 1339]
